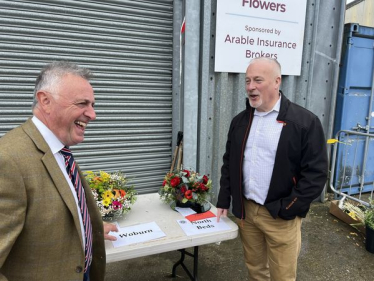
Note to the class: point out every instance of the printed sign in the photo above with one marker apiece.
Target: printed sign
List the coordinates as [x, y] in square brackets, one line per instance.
[201, 216]
[136, 234]
[248, 29]
[185, 211]
[202, 226]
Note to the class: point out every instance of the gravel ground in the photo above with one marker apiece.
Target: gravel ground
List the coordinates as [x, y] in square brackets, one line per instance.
[331, 250]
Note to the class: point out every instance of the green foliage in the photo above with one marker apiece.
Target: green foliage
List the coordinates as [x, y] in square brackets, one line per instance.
[369, 217]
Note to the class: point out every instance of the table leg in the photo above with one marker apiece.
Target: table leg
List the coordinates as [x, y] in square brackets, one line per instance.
[195, 256]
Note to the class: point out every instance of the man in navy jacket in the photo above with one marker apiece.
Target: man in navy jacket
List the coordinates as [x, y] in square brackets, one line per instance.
[274, 166]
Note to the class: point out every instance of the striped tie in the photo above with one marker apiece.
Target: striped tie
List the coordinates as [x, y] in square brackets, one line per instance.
[74, 176]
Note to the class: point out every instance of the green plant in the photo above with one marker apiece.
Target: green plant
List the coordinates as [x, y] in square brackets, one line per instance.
[369, 217]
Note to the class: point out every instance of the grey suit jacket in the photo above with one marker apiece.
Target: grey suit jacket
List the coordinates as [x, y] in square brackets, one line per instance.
[40, 234]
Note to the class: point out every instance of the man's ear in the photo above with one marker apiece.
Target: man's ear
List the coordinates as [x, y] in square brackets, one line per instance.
[278, 81]
[44, 101]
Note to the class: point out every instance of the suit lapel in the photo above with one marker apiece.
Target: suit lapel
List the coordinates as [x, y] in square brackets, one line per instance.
[53, 169]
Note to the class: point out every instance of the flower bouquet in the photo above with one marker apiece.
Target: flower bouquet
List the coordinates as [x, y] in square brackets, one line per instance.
[186, 188]
[112, 193]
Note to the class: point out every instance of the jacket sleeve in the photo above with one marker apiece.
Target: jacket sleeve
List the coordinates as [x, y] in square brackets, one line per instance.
[313, 173]
[224, 196]
[12, 207]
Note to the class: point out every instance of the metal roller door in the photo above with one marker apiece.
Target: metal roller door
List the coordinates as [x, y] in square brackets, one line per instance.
[128, 46]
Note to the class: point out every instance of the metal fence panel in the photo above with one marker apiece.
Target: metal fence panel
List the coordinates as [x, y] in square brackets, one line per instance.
[352, 172]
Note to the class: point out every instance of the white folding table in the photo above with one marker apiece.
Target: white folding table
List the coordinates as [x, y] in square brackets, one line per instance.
[149, 208]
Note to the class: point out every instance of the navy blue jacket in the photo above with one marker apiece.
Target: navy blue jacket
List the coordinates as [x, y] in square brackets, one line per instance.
[300, 167]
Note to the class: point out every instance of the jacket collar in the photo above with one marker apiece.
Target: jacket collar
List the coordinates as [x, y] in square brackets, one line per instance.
[34, 134]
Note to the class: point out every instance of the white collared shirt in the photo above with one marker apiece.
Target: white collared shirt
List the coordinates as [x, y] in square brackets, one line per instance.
[56, 145]
[259, 154]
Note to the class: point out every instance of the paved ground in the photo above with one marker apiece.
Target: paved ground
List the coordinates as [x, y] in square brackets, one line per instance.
[331, 250]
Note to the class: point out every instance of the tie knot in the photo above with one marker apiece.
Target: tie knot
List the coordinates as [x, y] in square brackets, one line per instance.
[65, 151]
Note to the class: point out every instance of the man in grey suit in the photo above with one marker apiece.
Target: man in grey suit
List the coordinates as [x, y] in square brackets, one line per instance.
[44, 234]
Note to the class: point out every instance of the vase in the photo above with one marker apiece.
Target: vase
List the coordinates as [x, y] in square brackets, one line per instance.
[113, 216]
[198, 208]
[369, 244]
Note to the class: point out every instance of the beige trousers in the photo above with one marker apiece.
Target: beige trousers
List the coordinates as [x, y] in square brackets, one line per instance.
[271, 246]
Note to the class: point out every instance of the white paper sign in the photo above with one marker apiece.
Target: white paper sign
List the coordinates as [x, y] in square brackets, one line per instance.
[185, 211]
[252, 28]
[136, 234]
[202, 226]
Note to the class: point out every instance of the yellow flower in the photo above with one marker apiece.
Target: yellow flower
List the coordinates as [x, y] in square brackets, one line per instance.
[89, 175]
[105, 176]
[106, 202]
[108, 194]
[352, 215]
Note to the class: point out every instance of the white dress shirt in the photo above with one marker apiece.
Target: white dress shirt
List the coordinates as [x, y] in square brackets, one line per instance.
[55, 145]
[259, 154]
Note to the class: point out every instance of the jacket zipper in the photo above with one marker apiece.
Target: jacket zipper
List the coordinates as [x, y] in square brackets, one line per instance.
[241, 161]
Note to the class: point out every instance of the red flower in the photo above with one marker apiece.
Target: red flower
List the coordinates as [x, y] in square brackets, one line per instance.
[164, 182]
[183, 189]
[187, 173]
[203, 187]
[175, 182]
[205, 179]
[188, 194]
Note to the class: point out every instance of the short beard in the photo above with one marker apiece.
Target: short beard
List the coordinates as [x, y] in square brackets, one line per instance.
[258, 104]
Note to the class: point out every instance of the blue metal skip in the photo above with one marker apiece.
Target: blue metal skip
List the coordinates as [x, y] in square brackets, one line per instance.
[354, 111]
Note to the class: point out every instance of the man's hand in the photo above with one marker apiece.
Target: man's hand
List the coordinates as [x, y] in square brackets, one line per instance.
[221, 212]
[107, 228]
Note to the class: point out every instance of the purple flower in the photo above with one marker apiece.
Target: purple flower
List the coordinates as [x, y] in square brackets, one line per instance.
[116, 205]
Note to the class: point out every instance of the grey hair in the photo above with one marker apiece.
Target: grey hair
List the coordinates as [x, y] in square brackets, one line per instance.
[51, 75]
[279, 70]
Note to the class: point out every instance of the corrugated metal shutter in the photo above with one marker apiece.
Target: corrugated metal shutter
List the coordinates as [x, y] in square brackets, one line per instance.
[128, 46]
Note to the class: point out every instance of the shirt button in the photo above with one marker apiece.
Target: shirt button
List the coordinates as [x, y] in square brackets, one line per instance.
[78, 269]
